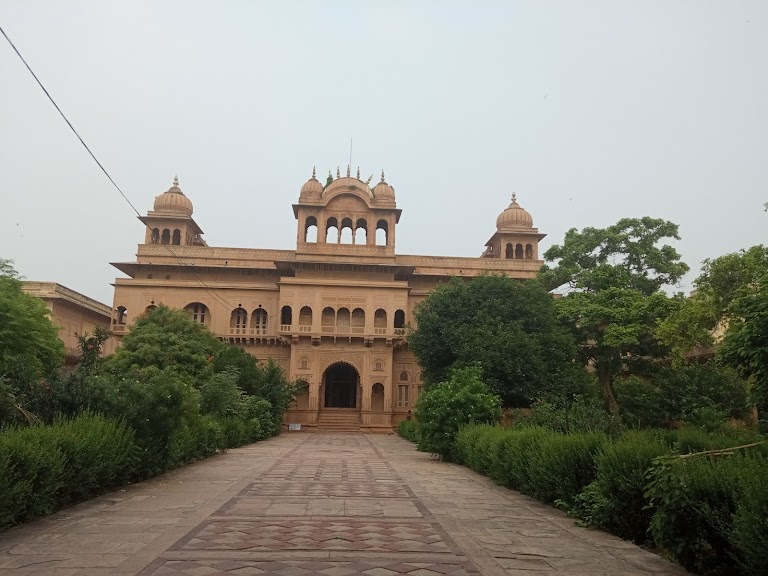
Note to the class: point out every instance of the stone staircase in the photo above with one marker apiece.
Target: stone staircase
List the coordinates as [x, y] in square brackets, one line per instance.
[338, 420]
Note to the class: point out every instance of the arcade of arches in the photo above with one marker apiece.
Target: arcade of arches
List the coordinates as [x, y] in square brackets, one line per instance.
[334, 310]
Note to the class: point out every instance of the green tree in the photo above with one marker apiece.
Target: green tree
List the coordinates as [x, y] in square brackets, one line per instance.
[613, 277]
[507, 327]
[30, 348]
[165, 339]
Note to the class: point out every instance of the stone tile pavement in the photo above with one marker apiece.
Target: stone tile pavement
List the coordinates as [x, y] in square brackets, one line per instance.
[318, 504]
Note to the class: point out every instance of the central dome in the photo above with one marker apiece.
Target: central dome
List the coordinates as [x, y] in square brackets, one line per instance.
[173, 200]
[312, 188]
[383, 191]
[514, 216]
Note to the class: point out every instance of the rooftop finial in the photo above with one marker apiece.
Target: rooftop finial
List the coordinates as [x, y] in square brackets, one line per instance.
[176, 180]
[358, 172]
[382, 175]
[348, 171]
[313, 172]
[369, 179]
[338, 173]
[514, 197]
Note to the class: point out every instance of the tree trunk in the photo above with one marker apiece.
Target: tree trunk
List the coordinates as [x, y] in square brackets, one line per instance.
[605, 377]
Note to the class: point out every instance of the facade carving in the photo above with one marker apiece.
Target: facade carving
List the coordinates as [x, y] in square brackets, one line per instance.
[334, 311]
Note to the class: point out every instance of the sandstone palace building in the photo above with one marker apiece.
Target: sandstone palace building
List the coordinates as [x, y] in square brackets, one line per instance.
[334, 311]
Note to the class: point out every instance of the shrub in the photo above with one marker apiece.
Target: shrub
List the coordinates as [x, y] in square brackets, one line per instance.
[562, 465]
[616, 500]
[408, 429]
[583, 414]
[466, 440]
[688, 389]
[750, 525]
[513, 453]
[446, 407]
[195, 439]
[695, 501]
[31, 475]
[234, 431]
[482, 456]
[689, 439]
[220, 395]
[641, 403]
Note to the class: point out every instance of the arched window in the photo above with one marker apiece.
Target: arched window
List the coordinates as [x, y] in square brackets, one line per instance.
[519, 252]
[342, 320]
[305, 316]
[310, 230]
[328, 319]
[286, 316]
[404, 376]
[259, 321]
[361, 231]
[399, 319]
[332, 231]
[346, 231]
[239, 320]
[155, 235]
[149, 308]
[121, 315]
[382, 233]
[166, 238]
[380, 321]
[510, 251]
[528, 252]
[198, 312]
[358, 318]
[176, 237]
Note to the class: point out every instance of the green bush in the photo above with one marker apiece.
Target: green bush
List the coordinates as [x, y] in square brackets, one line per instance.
[513, 453]
[641, 403]
[615, 500]
[689, 439]
[466, 440]
[482, 455]
[581, 414]
[234, 431]
[220, 395]
[446, 407]
[750, 525]
[31, 475]
[408, 429]
[562, 465]
[695, 501]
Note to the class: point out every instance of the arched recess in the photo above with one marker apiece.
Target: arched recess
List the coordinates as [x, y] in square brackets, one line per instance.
[519, 252]
[358, 320]
[346, 233]
[198, 312]
[342, 320]
[328, 319]
[310, 229]
[341, 381]
[259, 321]
[404, 376]
[377, 397]
[166, 237]
[121, 316]
[528, 252]
[399, 319]
[155, 235]
[361, 231]
[509, 252]
[382, 233]
[332, 231]
[176, 240]
[305, 316]
[149, 308]
[238, 321]
[380, 321]
[286, 316]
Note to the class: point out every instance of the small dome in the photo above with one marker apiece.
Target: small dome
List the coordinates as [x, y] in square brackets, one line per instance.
[514, 216]
[312, 187]
[173, 200]
[383, 191]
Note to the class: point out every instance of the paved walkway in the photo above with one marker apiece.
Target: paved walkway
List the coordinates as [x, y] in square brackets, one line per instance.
[318, 504]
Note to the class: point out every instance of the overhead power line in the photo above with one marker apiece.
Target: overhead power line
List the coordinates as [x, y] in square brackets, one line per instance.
[210, 290]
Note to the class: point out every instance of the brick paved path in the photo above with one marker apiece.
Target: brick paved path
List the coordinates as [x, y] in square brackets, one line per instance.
[318, 504]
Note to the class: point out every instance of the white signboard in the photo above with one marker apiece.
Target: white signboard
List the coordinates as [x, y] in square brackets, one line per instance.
[294, 426]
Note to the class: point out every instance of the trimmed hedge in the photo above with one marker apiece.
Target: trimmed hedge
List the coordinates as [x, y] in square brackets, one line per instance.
[709, 512]
[409, 429]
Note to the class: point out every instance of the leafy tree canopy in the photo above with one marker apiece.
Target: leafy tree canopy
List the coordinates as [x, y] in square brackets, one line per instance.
[625, 255]
[165, 339]
[507, 327]
[29, 343]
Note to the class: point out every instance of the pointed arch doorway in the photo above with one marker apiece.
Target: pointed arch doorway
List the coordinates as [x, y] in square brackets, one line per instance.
[341, 383]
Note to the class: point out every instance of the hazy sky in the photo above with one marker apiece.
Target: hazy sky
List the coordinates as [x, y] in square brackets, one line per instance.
[591, 111]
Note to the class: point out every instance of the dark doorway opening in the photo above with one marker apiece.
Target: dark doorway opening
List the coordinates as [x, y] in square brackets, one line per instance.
[341, 386]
